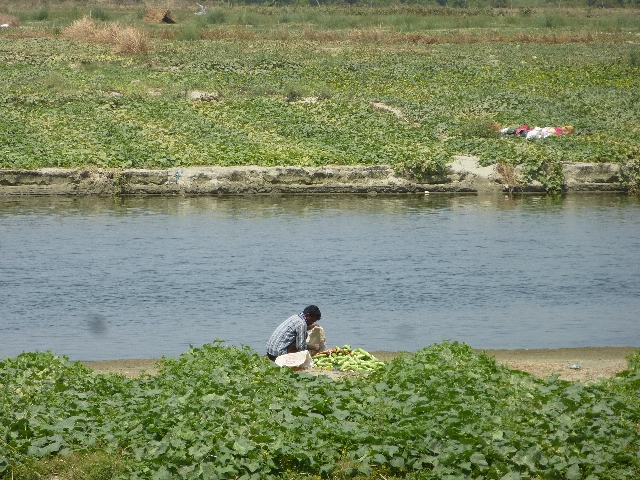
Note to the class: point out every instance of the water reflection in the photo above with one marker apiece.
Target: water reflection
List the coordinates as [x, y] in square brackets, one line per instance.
[301, 205]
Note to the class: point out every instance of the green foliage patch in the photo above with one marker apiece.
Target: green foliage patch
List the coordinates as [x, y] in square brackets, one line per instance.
[309, 103]
[225, 412]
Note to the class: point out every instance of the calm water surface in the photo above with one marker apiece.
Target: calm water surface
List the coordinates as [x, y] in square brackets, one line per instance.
[105, 278]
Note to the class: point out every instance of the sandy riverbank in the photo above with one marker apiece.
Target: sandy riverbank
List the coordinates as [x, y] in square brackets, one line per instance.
[594, 362]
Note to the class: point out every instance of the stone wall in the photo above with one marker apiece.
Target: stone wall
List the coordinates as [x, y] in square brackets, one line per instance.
[464, 176]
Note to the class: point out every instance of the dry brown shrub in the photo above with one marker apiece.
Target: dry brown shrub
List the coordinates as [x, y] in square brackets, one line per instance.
[244, 34]
[319, 36]
[282, 36]
[465, 38]
[83, 30]
[373, 35]
[419, 38]
[523, 38]
[107, 34]
[9, 20]
[495, 38]
[129, 40]
[555, 39]
[508, 174]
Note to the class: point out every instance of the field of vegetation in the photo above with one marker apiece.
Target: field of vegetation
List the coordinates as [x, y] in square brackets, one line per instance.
[444, 412]
[86, 85]
[407, 86]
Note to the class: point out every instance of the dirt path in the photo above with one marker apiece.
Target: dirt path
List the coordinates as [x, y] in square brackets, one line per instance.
[594, 362]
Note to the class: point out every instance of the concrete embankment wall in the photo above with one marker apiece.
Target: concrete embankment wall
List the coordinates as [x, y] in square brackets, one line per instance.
[464, 176]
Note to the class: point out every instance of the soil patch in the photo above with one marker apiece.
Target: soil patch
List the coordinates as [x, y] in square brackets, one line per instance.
[593, 362]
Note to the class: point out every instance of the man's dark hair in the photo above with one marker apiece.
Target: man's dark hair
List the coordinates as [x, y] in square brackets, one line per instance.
[312, 311]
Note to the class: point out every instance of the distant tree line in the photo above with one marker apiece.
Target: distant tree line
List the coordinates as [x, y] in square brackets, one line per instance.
[438, 7]
[456, 4]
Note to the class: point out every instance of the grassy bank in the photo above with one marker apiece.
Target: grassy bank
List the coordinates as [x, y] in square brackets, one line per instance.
[309, 91]
[221, 412]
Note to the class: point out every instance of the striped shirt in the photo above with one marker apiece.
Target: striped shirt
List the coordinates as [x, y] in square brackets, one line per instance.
[293, 329]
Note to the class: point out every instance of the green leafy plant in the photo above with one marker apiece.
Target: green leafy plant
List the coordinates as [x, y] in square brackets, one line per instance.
[226, 411]
[41, 14]
[215, 16]
[630, 176]
[479, 128]
[188, 33]
[100, 14]
[424, 162]
[544, 170]
[293, 91]
[118, 182]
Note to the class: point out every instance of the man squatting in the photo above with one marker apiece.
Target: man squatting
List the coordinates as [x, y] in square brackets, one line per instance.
[291, 335]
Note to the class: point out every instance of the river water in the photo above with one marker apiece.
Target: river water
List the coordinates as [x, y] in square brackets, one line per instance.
[142, 277]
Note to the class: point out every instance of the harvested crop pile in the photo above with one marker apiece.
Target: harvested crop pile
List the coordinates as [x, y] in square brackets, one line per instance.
[347, 360]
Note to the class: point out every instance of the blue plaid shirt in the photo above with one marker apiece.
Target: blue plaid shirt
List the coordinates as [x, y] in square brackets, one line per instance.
[292, 329]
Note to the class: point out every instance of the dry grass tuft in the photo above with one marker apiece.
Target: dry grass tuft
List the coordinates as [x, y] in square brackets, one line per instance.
[128, 40]
[508, 174]
[235, 33]
[388, 37]
[83, 30]
[9, 20]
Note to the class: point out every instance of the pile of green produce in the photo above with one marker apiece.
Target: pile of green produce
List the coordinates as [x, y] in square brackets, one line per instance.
[226, 412]
[347, 359]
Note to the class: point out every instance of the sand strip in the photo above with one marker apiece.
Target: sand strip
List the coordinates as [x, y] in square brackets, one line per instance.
[594, 362]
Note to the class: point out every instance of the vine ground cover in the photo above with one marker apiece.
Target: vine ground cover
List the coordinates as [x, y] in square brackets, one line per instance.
[73, 104]
[225, 412]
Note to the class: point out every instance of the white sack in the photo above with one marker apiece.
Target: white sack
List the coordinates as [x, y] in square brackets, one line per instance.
[317, 337]
[297, 361]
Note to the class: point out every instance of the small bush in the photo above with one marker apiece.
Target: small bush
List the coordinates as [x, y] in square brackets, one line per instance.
[324, 94]
[83, 30]
[508, 174]
[41, 14]
[99, 14]
[432, 160]
[216, 17]
[130, 40]
[249, 18]
[189, 34]
[293, 92]
[479, 128]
